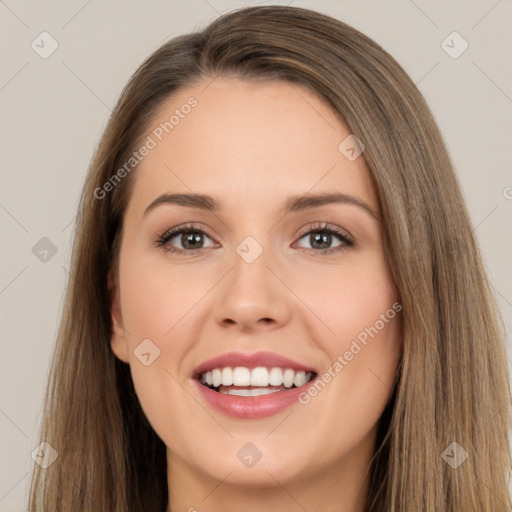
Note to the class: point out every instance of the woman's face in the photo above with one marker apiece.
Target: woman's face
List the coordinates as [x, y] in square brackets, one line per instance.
[257, 275]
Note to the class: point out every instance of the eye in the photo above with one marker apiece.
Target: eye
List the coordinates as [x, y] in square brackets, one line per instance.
[190, 237]
[321, 236]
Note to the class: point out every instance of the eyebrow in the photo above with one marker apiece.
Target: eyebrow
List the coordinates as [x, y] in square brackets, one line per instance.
[293, 204]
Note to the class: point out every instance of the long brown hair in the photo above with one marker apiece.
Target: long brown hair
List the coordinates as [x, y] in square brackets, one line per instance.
[452, 384]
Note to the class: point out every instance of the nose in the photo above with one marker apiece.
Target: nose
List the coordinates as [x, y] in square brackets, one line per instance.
[252, 298]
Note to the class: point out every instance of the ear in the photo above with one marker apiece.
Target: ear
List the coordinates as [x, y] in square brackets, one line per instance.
[118, 341]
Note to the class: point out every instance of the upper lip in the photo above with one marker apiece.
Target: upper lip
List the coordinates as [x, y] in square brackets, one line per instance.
[233, 359]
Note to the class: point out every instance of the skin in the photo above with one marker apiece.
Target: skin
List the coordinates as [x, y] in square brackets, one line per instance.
[251, 146]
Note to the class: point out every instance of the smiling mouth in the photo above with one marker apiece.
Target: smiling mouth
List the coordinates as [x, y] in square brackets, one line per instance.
[258, 381]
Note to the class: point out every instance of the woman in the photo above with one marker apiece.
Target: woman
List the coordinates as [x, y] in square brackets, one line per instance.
[208, 359]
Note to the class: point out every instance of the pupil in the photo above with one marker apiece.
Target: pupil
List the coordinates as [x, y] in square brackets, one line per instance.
[190, 240]
[325, 238]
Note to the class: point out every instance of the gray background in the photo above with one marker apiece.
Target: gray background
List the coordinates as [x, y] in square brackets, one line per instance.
[53, 111]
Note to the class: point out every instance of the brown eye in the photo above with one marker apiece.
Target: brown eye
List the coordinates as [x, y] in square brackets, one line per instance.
[190, 238]
[321, 239]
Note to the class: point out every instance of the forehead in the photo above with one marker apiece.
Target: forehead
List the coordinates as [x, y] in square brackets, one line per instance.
[247, 143]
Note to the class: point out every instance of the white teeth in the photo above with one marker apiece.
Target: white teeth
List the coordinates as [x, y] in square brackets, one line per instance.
[275, 377]
[259, 376]
[216, 377]
[241, 376]
[300, 378]
[288, 377]
[250, 392]
[227, 377]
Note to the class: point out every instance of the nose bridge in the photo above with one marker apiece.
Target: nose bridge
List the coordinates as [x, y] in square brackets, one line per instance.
[251, 293]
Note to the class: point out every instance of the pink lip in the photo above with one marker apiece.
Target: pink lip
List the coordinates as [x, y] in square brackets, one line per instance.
[250, 407]
[268, 359]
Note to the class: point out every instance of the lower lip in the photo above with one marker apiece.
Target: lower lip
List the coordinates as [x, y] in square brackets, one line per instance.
[251, 407]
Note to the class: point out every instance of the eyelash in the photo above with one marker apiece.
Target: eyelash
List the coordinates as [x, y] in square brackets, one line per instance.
[163, 240]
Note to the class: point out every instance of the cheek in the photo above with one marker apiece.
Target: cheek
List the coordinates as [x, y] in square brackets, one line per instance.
[351, 299]
[158, 303]
[362, 309]
[155, 296]
[155, 302]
